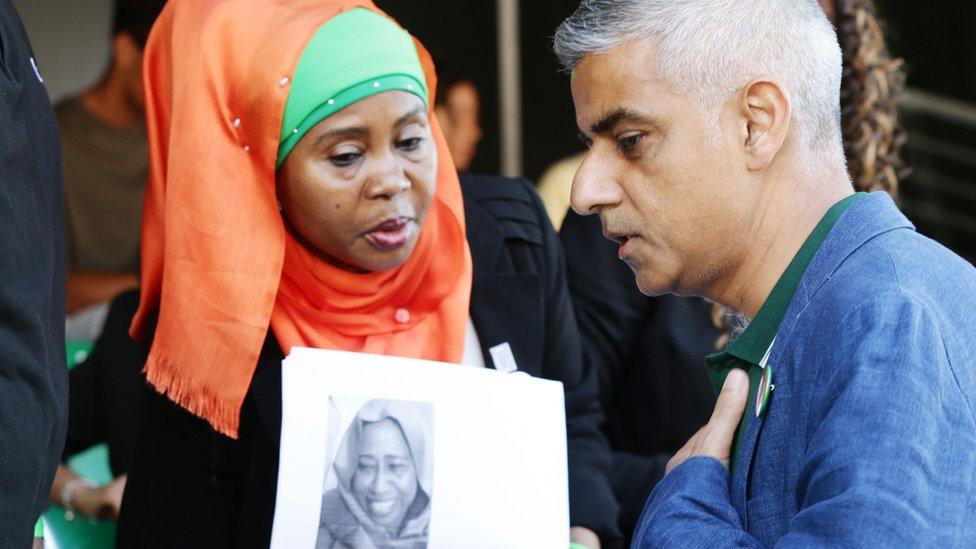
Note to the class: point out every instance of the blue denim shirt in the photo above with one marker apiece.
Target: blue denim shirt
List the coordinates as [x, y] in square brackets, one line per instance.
[869, 438]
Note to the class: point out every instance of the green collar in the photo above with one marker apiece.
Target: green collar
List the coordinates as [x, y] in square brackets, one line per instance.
[751, 346]
[751, 349]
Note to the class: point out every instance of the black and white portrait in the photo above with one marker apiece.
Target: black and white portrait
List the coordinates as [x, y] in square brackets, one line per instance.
[377, 491]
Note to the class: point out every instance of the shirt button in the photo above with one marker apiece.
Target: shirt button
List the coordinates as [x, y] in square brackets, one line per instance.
[401, 315]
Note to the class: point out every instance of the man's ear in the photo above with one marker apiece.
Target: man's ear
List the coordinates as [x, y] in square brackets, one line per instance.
[766, 111]
[125, 50]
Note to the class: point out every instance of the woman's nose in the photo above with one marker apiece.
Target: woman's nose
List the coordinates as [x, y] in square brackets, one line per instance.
[379, 480]
[388, 180]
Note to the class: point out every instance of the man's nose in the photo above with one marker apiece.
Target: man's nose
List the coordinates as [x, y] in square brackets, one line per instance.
[593, 186]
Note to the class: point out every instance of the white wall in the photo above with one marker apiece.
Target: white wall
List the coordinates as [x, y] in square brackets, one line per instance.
[70, 40]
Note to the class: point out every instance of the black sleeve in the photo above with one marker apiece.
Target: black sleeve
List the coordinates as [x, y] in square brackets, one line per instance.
[592, 503]
[105, 391]
[609, 309]
[84, 428]
[33, 376]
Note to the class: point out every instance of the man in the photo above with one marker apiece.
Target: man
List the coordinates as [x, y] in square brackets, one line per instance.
[33, 378]
[716, 163]
[103, 141]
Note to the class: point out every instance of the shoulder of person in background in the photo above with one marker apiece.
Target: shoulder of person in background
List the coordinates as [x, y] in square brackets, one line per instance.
[555, 186]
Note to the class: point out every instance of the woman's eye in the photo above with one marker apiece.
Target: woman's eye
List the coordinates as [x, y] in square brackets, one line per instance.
[365, 468]
[628, 143]
[410, 144]
[345, 159]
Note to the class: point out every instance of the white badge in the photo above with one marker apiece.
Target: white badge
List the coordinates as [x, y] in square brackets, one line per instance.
[503, 358]
[37, 72]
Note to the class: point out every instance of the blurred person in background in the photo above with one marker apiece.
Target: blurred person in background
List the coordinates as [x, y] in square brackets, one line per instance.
[103, 139]
[33, 380]
[654, 386]
[457, 106]
[555, 185]
[103, 143]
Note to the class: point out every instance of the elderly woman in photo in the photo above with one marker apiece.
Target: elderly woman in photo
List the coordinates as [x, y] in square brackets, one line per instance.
[302, 194]
[383, 473]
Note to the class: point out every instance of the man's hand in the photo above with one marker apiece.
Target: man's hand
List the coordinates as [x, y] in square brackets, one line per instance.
[101, 502]
[715, 438]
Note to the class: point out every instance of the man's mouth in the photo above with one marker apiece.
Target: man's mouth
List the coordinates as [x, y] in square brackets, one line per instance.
[622, 239]
[391, 234]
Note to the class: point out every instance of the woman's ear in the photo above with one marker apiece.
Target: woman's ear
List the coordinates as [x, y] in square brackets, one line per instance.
[766, 112]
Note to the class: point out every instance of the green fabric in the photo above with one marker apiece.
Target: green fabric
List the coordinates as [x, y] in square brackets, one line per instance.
[354, 55]
[748, 350]
[77, 352]
[39, 529]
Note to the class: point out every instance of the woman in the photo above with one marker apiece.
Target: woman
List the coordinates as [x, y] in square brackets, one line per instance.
[382, 477]
[301, 193]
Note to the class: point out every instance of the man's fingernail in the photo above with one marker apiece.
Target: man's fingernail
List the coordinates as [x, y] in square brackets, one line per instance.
[737, 381]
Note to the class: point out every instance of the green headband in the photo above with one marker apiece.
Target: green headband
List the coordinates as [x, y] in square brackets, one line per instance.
[354, 55]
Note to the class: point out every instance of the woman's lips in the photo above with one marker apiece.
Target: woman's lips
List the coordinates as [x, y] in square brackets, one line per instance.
[381, 507]
[391, 234]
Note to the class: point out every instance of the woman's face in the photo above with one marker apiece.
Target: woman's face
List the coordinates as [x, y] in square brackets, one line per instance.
[385, 481]
[356, 188]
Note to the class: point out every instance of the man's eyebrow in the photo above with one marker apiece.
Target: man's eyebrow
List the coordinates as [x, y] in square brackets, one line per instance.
[609, 121]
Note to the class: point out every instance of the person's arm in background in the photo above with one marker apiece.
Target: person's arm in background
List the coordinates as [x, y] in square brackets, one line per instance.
[85, 429]
[593, 508]
[85, 289]
[85, 498]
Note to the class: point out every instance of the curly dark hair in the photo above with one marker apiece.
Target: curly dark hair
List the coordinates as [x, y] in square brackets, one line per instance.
[872, 82]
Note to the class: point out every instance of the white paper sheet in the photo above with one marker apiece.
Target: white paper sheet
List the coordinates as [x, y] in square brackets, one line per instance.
[497, 445]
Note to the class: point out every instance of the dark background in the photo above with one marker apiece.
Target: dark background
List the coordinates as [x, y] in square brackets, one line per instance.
[464, 34]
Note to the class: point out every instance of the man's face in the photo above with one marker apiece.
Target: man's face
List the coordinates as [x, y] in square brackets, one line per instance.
[675, 201]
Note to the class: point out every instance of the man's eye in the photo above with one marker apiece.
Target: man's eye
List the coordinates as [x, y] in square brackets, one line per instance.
[627, 143]
[345, 160]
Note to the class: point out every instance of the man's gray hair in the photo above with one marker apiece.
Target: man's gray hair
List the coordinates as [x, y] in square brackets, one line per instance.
[710, 48]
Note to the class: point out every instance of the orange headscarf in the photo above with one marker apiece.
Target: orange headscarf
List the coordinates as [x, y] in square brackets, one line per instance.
[217, 261]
